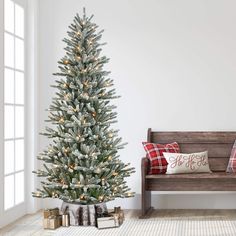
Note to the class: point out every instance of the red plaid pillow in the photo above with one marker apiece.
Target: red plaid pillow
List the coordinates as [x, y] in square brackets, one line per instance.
[158, 163]
[232, 160]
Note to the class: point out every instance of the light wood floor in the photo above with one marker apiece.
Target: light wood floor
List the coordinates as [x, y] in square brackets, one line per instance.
[32, 224]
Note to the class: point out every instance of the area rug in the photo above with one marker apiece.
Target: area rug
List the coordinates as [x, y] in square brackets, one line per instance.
[157, 227]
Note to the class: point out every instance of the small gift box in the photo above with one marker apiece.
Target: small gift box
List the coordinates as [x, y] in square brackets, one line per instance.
[112, 220]
[118, 214]
[50, 212]
[65, 220]
[107, 222]
[52, 222]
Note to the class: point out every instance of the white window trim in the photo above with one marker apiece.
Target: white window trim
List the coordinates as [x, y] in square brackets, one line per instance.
[14, 105]
[31, 107]
[1, 106]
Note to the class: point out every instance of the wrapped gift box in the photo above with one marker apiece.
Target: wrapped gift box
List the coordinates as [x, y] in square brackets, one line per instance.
[50, 212]
[118, 214]
[112, 220]
[52, 222]
[52, 219]
[107, 222]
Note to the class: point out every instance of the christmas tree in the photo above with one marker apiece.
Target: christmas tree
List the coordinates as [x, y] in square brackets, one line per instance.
[81, 164]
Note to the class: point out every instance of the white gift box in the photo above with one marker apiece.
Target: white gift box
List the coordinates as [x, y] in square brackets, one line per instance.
[107, 222]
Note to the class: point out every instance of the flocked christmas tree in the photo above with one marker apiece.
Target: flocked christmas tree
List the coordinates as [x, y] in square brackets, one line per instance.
[82, 164]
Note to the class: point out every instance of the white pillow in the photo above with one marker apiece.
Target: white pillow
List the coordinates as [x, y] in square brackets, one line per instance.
[187, 163]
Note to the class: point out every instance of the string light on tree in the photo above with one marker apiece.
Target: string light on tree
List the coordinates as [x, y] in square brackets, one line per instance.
[50, 150]
[67, 97]
[61, 120]
[89, 42]
[98, 170]
[103, 181]
[65, 186]
[66, 150]
[100, 198]
[130, 194]
[65, 85]
[38, 194]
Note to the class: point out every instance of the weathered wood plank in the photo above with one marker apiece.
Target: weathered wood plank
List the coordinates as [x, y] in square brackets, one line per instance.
[179, 177]
[214, 149]
[193, 137]
[149, 135]
[218, 164]
[190, 184]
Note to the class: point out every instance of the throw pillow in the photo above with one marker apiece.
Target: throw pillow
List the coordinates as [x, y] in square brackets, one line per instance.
[232, 160]
[187, 163]
[158, 163]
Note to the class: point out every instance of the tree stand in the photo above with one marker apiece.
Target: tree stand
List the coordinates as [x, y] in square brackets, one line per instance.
[83, 214]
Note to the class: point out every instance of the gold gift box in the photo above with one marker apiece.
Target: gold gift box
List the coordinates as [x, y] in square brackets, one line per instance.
[50, 212]
[52, 222]
[118, 214]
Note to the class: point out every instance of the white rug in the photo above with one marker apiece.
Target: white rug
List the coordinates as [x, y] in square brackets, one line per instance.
[157, 227]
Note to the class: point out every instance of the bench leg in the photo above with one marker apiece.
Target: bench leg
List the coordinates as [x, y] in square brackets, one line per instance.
[146, 205]
[146, 195]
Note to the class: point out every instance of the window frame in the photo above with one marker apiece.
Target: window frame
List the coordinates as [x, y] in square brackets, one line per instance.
[19, 209]
[32, 84]
[1, 106]
[15, 105]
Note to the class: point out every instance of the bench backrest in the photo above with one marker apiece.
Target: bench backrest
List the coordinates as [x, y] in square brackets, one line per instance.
[218, 144]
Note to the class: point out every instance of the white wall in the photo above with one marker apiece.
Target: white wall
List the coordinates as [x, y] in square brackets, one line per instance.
[173, 62]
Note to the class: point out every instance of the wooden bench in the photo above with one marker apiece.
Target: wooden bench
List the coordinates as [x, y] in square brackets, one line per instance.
[218, 145]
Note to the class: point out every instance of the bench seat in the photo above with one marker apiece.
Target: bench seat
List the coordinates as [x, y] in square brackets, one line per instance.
[216, 181]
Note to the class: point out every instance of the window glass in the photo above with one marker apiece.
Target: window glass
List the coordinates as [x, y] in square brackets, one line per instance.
[19, 19]
[9, 15]
[8, 85]
[9, 191]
